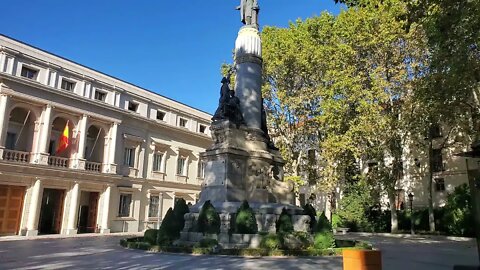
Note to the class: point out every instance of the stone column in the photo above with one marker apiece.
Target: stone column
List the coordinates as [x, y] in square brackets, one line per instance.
[34, 209]
[112, 146]
[248, 81]
[81, 137]
[160, 209]
[2, 61]
[105, 227]
[72, 214]
[3, 122]
[42, 155]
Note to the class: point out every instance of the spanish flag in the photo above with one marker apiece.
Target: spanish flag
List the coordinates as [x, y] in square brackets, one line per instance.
[63, 141]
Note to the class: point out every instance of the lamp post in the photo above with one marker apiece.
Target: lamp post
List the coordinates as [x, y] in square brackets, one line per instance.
[410, 199]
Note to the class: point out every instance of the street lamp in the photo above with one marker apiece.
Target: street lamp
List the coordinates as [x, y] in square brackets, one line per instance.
[410, 199]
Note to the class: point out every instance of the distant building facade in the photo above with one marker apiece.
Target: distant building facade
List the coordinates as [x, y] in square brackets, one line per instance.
[131, 152]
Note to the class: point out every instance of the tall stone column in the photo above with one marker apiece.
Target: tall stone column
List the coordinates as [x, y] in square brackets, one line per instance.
[41, 153]
[82, 133]
[105, 228]
[34, 209]
[3, 122]
[72, 214]
[111, 168]
[248, 82]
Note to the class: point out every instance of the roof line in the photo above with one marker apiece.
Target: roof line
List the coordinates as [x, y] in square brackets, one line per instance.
[103, 73]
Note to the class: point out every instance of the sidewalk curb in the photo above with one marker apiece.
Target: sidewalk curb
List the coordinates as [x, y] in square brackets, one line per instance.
[62, 236]
[415, 236]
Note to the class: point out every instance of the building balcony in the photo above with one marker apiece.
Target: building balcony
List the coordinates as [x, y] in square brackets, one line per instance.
[16, 156]
[93, 166]
[58, 161]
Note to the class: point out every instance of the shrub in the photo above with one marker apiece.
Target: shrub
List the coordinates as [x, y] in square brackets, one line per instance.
[150, 236]
[324, 240]
[271, 241]
[180, 209]
[309, 210]
[323, 225]
[284, 223]
[168, 230]
[208, 219]
[336, 221]
[458, 212]
[207, 243]
[245, 221]
[297, 240]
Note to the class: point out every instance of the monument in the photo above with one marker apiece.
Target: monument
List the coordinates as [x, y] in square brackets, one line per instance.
[243, 163]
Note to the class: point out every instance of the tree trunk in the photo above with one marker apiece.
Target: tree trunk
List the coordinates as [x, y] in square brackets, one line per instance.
[393, 211]
[431, 215]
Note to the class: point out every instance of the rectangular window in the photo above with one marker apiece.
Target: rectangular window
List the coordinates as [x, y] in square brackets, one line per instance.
[182, 122]
[440, 184]
[99, 95]
[202, 128]
[157, 162]
[124, 205]
[129, 158]
[160, 115]
[132, 106]
[437, 160]
[67, 85]
[29, 73]
[153, 206]
[11, 139]
[181, 166]
[201, 170]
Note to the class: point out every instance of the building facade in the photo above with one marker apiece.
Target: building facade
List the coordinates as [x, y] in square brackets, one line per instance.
[131, 153]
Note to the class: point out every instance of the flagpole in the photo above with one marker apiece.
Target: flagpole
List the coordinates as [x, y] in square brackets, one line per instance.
[21, 130]
[95, 143]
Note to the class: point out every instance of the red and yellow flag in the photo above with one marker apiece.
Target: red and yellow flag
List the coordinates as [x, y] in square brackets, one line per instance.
[63, 141]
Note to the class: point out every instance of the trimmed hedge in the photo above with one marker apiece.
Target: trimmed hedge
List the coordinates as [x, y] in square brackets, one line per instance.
[179, 210]
[245, 221]
[150, 236]
[323, 225]
[284, 223]
[208, 219]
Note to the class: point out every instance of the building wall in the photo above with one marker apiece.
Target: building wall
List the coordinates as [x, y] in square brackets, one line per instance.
[101, 101]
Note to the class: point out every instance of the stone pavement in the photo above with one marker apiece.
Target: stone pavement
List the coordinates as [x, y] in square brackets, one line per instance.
[104, 252]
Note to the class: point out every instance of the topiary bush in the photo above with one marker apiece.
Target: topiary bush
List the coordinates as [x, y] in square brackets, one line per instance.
[324, 240]
[180, 209]
[150, 236]
[323, 225]
[245, 221]
[284, 223]
[271, 241]
[168, 230]
[309, 210]
[208, 219]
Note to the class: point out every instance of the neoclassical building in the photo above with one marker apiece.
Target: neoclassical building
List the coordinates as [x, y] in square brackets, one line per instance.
[131, 152]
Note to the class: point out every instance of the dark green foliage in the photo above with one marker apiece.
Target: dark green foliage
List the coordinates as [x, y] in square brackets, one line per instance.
[168, 230]
[309, 210]
[180, 209]
[323, 225]
[207, 243]
[271, 242]
[284, 223]
[150, 236]
[245, 221]
[458, 212]
[324, 240]
[208, 219]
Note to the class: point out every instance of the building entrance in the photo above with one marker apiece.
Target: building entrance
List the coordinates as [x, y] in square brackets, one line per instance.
[87, 214]
[11, 204]
[51, 212]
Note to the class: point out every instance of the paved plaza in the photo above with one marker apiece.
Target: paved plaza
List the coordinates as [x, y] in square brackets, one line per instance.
[105, 253]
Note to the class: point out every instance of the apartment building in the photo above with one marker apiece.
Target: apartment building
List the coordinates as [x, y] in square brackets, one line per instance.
[130, 152]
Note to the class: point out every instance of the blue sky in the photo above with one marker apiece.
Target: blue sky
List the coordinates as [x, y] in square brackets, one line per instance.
[174, 48]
